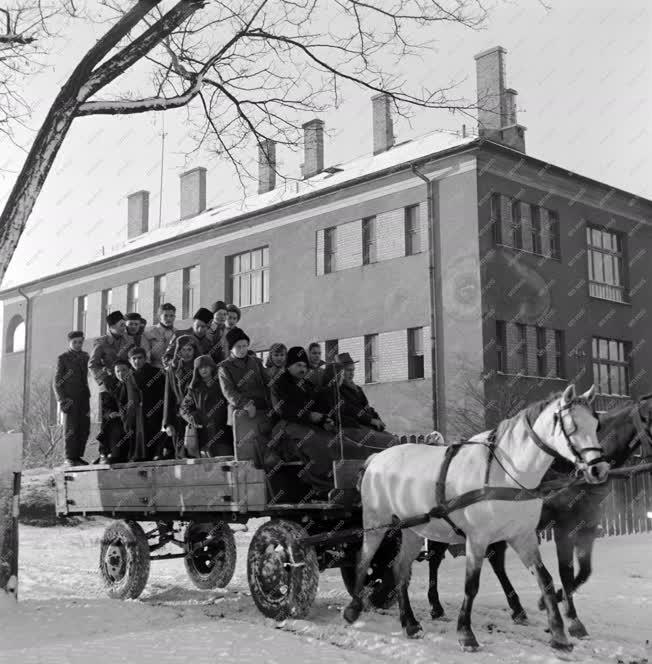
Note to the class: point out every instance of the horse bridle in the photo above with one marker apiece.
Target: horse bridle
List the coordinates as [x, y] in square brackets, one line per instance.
[559, 418]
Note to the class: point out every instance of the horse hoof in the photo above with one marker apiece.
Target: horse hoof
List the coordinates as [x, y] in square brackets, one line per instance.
[577, 629]
[564, 646]
[469, 643]
[438, 614]
[414, 631]
[520, 618]
[351, 614]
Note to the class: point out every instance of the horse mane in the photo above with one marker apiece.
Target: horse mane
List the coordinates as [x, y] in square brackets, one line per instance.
[531, 412]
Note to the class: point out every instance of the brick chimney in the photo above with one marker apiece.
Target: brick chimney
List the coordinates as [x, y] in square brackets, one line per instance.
[313, 148]
[137, 214]
[266, 166]
[496, 102]
[193, 192]
[383, 125]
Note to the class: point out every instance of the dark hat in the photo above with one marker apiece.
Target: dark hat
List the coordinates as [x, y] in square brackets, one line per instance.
[136, 350]
[234, 335]
[204, 315]
[75, 334]
[143, 321]
[296, 354]
[342, 359]
[133, 316]
[219, 306]
[114, 317]
[184, 340]
[205, 361]
[232, 307]
[121, 361]
[167, 306]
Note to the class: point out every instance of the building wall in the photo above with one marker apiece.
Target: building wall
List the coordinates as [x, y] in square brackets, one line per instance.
[520, 286]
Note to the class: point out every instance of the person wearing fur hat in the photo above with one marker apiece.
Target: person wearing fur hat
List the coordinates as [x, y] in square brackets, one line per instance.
[308, 431]
[244, 385]
[72, 393]
[204, 408]
[107, 349]
[157, 338]
[200, 334]
[178, 375]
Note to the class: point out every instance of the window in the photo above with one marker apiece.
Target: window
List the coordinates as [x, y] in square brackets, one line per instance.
[496, 218]
[412, 231]
[369, 240]
[371, 358]
[160, 286]
[537, 244]
[107, 302]
[542, 367]
[553, 220]
[415, 353]
[262, 355]
[329, 250]
[133, 290]
[560, 352]
[250, 277]
[517, 225]
[610, 366]
[521, 349]
[501, 346]
[81, 309]
[606, 267]
[15, 338]
[190, 295]
[331, 349]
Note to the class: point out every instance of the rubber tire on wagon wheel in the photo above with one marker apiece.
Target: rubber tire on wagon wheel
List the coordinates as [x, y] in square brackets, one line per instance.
[380, 587]
[124, 560]
[283, 575]
[213, 564]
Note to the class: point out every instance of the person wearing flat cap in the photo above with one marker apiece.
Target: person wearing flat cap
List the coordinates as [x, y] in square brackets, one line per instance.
[133, 321]
[360, 422]
[107, 349]
[308, 430]
[204, 408]
[244, 385]
[72, 393]
[201, 336]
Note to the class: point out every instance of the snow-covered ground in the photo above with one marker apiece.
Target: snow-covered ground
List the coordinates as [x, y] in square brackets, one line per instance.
[64, 617]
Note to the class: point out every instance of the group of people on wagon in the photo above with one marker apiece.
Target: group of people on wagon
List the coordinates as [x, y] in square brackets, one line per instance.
[168, 393]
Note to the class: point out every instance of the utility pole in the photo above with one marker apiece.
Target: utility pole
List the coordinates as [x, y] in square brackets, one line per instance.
[160, 187]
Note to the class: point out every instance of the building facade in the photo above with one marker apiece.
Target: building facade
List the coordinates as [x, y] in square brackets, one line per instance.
[544, 277]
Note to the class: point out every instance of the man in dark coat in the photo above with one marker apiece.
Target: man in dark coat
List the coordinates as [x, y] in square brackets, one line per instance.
[114, 443]
[315, 366]
[107, 349]
[244, 385]
[200, 335]
[151, 383]
[72, 393]
[360, 421]
[309, 433]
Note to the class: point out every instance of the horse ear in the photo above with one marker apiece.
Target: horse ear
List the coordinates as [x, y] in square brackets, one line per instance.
[569, 395]
[589, 395]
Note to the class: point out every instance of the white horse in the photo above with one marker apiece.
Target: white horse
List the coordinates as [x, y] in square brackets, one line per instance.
[400, 482]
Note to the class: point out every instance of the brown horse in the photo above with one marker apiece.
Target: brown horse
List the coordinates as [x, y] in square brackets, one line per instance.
[573, 514]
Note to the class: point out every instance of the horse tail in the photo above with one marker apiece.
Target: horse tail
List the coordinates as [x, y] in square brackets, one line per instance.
[358, 484]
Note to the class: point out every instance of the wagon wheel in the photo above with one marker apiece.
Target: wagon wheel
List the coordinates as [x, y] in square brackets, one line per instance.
[210, 562]
[283, 575]
[379, 588]
[124, 560]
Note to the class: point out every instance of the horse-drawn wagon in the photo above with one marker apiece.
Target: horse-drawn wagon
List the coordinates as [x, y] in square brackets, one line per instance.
[205, 496]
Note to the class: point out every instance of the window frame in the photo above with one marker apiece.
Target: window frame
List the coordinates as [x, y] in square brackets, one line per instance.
[133, 297]
[330, 249]
[249, 277]
[517, 225]
[542, 357]
[603, 289]
[371, 365]
[412, 230]
[369, 244]
[560, 354]
[159, 293]
[496, 216]
[188, 287]
[521, 351]
[609, 363]
[501, 346]
[106, 301]
[416, 360]
[81, 313]
[331, 349]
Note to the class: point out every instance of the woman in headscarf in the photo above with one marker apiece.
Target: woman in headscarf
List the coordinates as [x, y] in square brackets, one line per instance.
[204, 407]
[275, 362]
[178, 375]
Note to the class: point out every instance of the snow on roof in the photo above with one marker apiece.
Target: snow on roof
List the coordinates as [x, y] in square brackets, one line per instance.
[334, 175]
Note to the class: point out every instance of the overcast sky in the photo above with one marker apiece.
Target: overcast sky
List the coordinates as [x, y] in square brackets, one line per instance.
[583, 71]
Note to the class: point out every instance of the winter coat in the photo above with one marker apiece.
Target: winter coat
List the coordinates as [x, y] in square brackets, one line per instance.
[316, 375]
[205, 346]
[106, 350]
[155, 341]
[242, 381]
[177, 381]
[71, 379]
[293, 400]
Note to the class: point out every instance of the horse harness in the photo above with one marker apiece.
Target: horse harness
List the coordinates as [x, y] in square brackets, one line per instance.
[444, 507]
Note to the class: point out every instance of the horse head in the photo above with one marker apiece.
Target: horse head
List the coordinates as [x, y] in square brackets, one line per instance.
[574, 434]
[624, 428]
